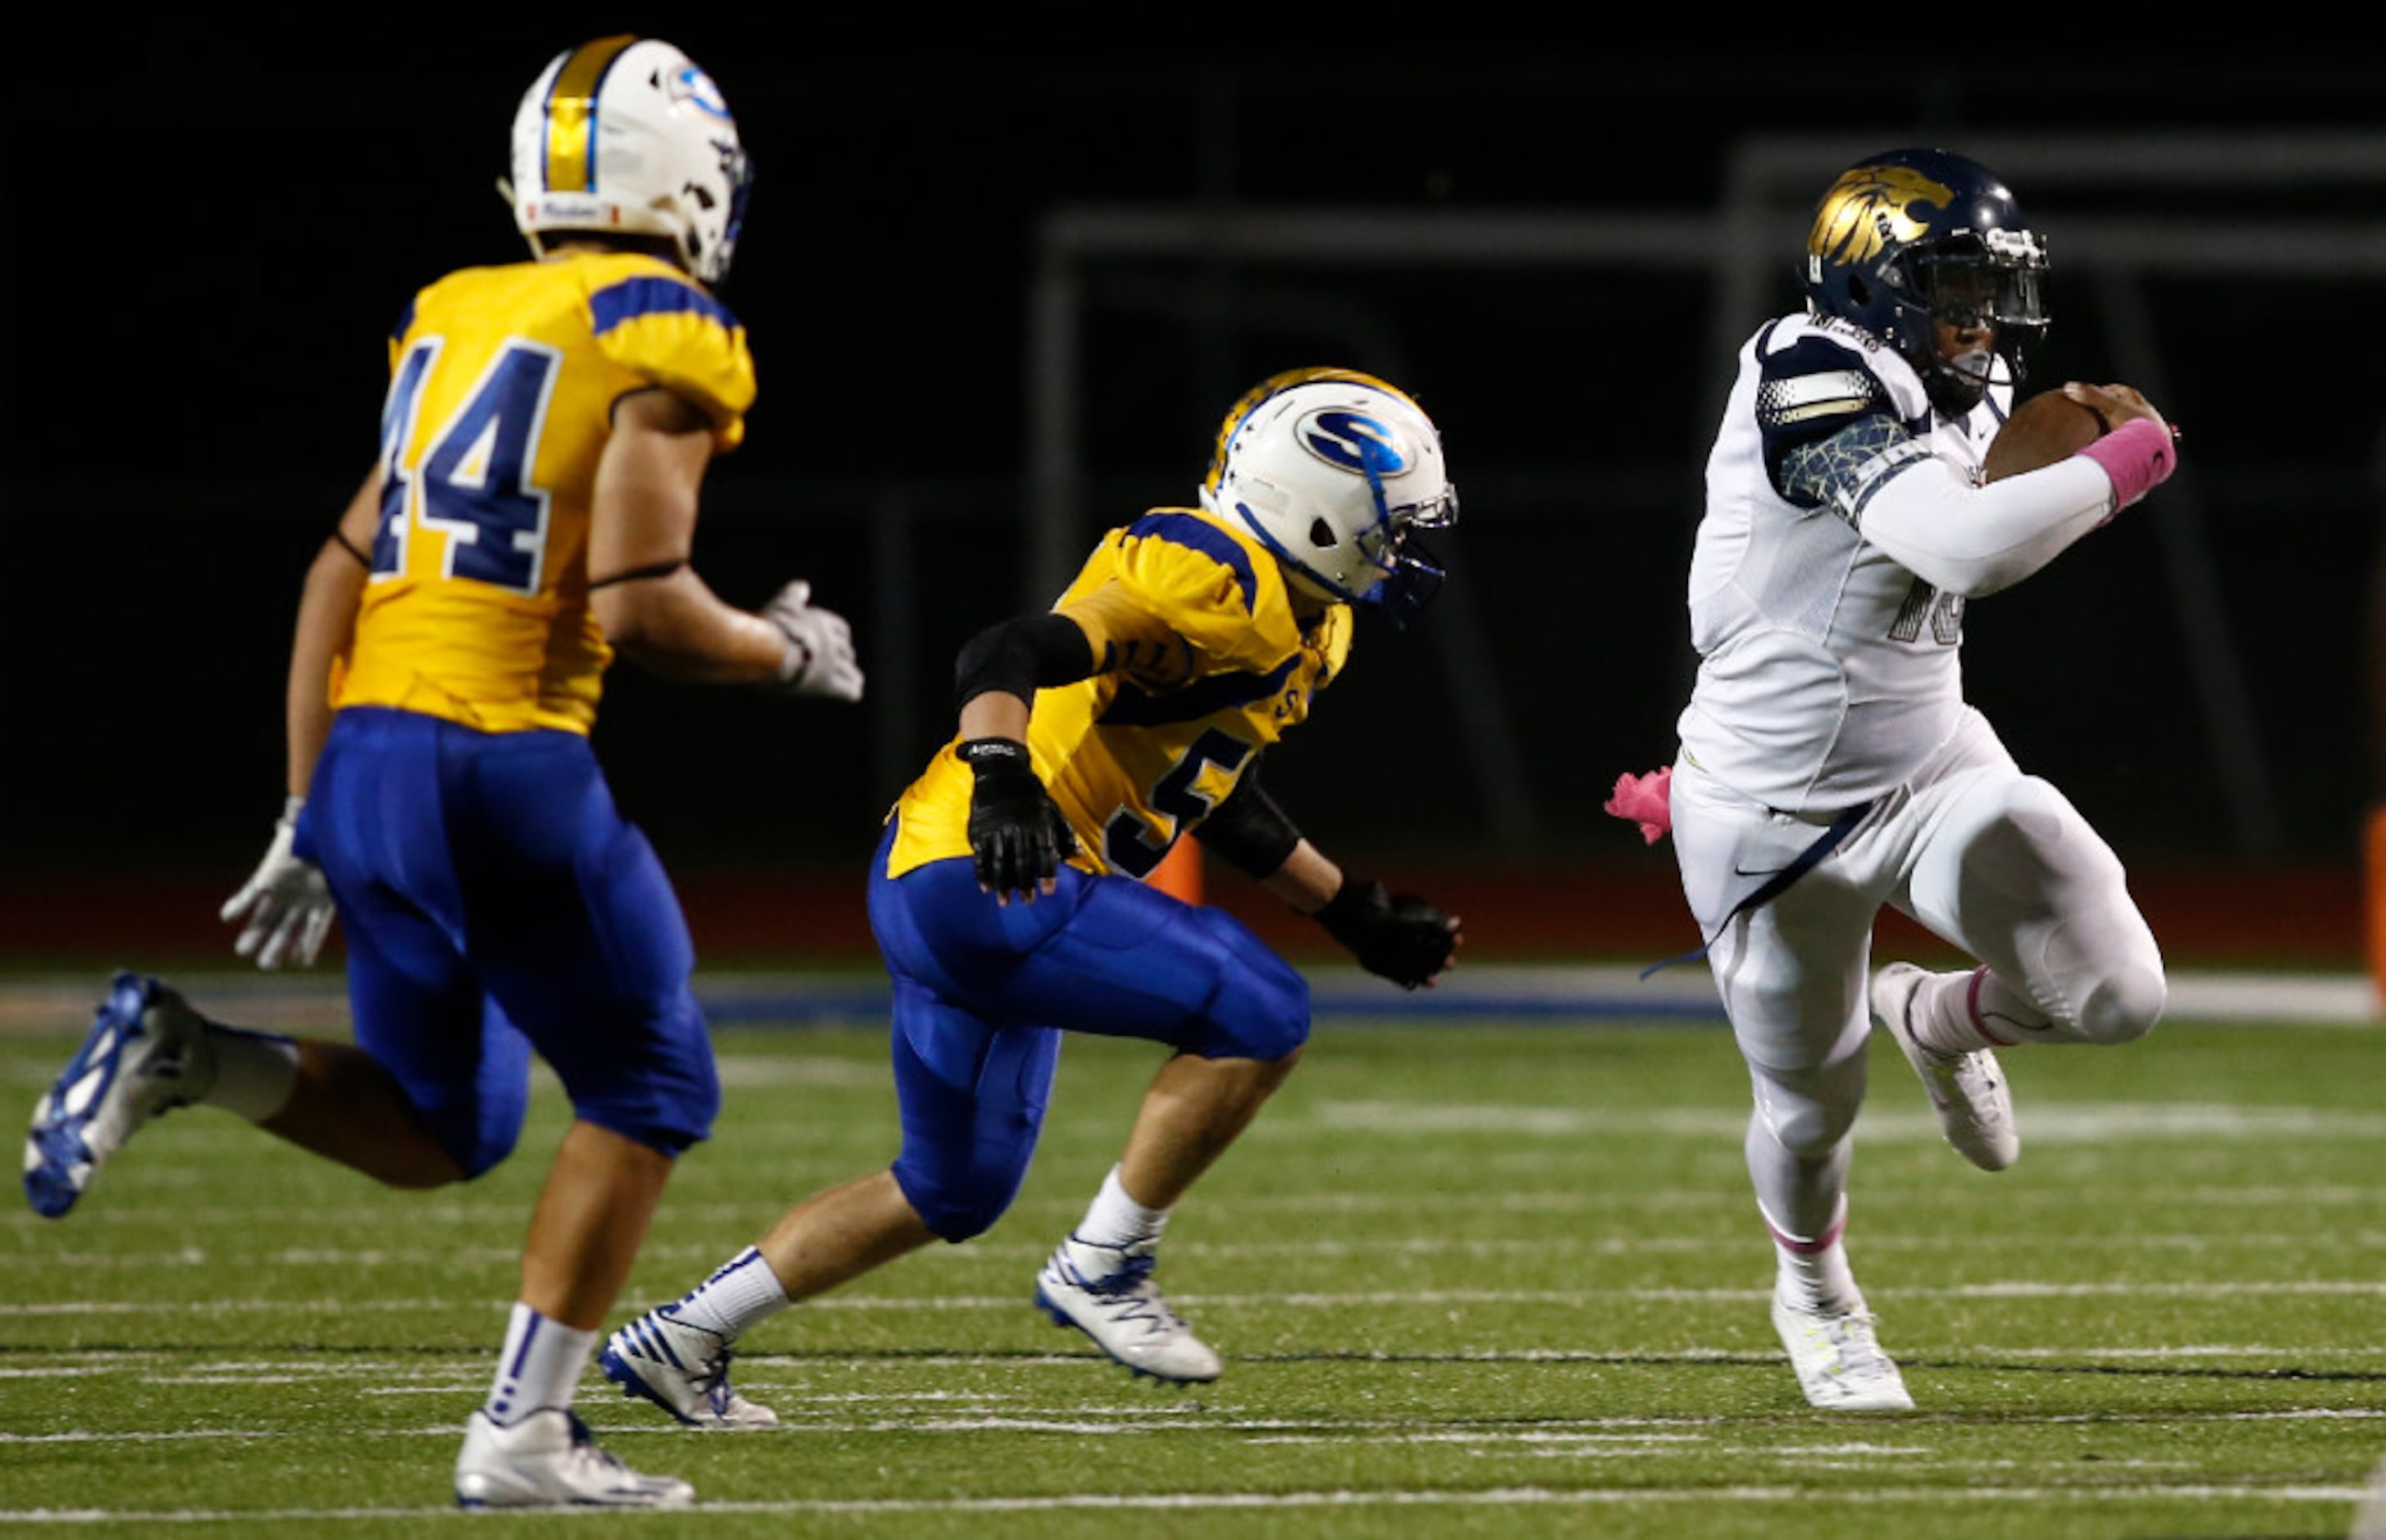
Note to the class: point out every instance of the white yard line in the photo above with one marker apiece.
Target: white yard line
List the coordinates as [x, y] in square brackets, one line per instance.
[1191, 1502]
[2006, 1289]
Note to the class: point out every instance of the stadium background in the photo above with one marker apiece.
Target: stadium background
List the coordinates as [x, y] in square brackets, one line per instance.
[211, 229]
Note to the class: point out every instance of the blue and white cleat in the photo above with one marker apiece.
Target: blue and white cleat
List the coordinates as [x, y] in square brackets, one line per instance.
[548, 1460]
[1107, 1292]
[681, 1368]
[146, 1053]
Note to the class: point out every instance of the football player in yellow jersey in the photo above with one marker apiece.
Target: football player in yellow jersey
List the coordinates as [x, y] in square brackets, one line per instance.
[1005, 902]
[543, 443]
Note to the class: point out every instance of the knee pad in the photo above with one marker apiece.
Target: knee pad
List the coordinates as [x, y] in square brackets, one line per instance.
[2124, 1006]
[958, 1203]
[1259, 1008]
[972, 1110]
[477, 1150]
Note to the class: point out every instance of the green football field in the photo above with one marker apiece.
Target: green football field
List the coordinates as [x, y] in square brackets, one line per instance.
[1492, 1277]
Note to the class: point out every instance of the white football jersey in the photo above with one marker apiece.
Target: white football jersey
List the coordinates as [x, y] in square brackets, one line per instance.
[1827, 672]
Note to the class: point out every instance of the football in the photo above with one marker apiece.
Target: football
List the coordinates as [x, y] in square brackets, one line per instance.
[2048, 427]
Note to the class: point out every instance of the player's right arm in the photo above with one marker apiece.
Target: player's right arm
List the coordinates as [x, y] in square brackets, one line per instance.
[647, 598]
[1018, 835]
[1833, 439]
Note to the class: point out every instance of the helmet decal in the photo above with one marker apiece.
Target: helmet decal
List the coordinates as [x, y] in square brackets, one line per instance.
[572, 114]
[694, 87]
[1868, 210]
[1351, 442]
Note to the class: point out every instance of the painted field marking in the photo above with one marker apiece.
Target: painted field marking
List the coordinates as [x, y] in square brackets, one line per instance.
[1190, 1502]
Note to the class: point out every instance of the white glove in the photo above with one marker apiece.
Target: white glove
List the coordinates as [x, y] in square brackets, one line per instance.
[286, 901]
[820, 646]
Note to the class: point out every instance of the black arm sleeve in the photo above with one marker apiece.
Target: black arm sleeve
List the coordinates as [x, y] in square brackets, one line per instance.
[1248, 830]
[1021, 656]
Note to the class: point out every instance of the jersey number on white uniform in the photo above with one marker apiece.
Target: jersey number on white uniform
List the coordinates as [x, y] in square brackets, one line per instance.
[1128, 840]
[473, 482]
[1945, 612]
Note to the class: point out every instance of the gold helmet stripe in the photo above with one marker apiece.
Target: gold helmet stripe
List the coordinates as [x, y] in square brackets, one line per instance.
[572, 114]
[1274, 385]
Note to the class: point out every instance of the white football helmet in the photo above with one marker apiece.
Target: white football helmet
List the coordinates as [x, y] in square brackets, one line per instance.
[1332, 470]
[626, 135]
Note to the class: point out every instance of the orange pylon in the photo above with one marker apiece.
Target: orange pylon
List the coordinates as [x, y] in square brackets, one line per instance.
[1179, 872]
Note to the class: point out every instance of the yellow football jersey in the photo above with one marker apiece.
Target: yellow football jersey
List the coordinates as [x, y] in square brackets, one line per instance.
[502, 384]
[1202, 664]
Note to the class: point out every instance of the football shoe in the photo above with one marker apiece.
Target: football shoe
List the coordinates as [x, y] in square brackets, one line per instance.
[682, 1368]
[146, 1053]
[1107, 1292]
[1838, 1357]
[548, 1460]
[1968, 1090]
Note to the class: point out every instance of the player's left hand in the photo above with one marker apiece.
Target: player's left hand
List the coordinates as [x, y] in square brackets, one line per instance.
[1395, 935]
[820, 661]
[286, 901]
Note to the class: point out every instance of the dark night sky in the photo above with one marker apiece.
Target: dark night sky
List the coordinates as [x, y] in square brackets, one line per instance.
[210, 230]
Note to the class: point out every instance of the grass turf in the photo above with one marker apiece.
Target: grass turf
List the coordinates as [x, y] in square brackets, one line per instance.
[1469, 1278]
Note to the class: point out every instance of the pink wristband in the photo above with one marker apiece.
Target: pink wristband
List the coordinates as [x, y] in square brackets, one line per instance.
[2139, 455]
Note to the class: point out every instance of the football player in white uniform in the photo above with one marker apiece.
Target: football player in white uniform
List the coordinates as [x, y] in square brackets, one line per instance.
[1828, 763]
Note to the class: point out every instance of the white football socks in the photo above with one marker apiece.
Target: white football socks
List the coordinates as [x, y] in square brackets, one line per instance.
[1816, 1272]
[1959, 1013]
[741, 1292]
[255, 1071]
[1117, 1221]
[540, 1364]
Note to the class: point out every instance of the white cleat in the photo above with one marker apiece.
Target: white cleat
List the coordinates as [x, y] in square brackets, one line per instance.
[1838, 1358]
[1107, 1292]
[1968, 1091]
[146, 1053]
[548, 1460]
[681, 1368]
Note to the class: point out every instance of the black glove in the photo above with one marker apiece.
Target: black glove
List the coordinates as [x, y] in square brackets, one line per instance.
[1395, 934]
[1016, 830]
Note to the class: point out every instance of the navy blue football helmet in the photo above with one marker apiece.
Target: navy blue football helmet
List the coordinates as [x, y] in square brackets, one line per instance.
[1907, 239]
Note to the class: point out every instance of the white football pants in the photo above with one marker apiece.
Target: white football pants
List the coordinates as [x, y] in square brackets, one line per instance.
[1991, 860]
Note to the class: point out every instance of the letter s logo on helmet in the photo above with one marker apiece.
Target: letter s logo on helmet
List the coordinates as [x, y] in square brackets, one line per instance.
[1355, 442]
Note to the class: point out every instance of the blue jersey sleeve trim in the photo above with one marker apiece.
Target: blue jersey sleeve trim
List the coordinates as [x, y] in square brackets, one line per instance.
[633, 297]
[1200, 535]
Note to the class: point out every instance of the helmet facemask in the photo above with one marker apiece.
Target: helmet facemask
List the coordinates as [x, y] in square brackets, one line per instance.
[1411, 574]
[1970, 281]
